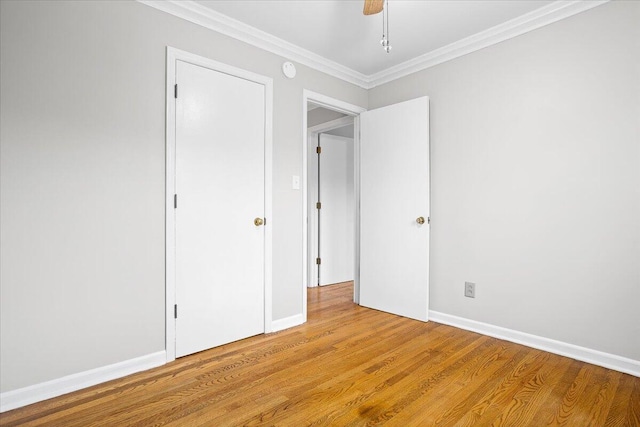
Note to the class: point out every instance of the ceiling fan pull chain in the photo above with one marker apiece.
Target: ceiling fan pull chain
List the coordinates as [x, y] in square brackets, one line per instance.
[385, 42]
[387, 48]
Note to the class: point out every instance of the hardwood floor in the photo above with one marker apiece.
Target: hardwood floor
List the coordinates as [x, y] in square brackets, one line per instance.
[351, 366]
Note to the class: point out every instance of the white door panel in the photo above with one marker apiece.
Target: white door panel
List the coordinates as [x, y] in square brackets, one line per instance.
[220, 128]
[394, 192]
[336, 215]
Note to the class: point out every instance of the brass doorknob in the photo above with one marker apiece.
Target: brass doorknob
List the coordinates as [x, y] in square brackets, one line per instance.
[420, 220]
[258, 222]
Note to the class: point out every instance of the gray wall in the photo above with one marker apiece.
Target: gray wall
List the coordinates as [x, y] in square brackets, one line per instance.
[82, 180]
[535, 186]
[346, 131]
[535, 146]
[321, 115]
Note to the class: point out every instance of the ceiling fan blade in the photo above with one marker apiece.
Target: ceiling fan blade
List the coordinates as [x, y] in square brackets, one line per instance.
[371, 7]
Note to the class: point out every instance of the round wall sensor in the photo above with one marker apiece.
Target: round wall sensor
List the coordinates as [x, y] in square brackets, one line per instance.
[289, 70]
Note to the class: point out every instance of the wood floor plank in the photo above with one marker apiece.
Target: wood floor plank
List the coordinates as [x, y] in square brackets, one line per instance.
[427, 384]
[604, 399]
[352, 366]
[487, 402]
[633, 408]
[377, 384]
[566, 372]
[434, 407]
[525, 403]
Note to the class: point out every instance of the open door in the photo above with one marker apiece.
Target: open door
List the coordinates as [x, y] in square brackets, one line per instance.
[335, 216]
[394, 209]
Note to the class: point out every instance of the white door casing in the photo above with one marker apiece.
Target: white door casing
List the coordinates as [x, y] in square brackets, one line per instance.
[394, 193]
[310, 193]
[219, 165]
[350, 110]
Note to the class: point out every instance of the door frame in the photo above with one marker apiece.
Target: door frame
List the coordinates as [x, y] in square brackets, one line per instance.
[350, 110]
[174, 55]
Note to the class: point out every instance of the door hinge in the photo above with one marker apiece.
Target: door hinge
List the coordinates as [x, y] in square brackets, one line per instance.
[318, 150]
[175, 201]
[175, 311]
[318, 205]
[175, 91]
[318, 261]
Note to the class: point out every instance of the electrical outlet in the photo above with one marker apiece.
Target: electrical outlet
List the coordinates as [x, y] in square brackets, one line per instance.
[469, 289]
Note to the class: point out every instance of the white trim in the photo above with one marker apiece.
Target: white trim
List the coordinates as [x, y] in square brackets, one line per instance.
[356, 196]
[305, 201]
[174, 55]
[208, 18]
[523, 24]
[595, 357]
[38, 392]
[331, 125]
[170, 223]
[330, 103]
[287, 322]
[350, 110]
[268, 208]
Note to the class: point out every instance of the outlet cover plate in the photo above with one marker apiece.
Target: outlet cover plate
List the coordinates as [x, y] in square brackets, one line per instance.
[469, 289]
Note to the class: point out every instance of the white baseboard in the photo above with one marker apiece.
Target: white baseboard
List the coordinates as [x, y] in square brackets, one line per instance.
[595, 357]
[287, 322]
[38, 392]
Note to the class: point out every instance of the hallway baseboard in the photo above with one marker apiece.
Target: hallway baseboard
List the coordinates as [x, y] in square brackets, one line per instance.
[287, 322]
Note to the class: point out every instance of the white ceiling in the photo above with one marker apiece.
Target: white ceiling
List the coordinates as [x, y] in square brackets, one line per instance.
[334, 36]
[338, 30]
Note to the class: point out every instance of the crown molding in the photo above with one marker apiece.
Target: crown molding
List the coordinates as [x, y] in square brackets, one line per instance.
[208, 18]
[546, 15]
[194, 12]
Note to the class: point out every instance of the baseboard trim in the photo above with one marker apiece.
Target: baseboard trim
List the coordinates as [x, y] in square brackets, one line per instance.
[38, 392]
[287, 322]
[595, 357]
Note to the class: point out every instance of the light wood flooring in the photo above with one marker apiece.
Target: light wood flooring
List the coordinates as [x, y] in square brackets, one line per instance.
[351, 366]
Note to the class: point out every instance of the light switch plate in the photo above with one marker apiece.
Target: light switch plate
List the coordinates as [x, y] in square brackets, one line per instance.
[295, 182]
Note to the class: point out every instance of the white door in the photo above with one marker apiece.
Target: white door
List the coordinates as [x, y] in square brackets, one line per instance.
[220, 136]
[336, 215]
[394, 198]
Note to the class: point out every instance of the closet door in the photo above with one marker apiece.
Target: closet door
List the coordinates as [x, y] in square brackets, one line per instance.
[220, 187]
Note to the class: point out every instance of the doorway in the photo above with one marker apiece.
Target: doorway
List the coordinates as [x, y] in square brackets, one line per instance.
[331, 197]
[391, 198]
[341, 120]
[218, 204]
